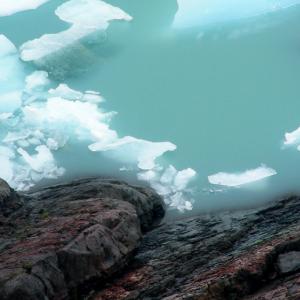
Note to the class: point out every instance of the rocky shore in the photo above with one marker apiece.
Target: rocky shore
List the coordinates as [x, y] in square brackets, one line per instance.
[253, 255]
[100, 239]
[59, 242]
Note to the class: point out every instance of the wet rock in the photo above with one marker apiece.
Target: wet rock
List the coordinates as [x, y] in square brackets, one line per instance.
[60, 241]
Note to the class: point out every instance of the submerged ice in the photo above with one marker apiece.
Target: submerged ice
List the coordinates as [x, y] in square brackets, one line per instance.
[206, 12]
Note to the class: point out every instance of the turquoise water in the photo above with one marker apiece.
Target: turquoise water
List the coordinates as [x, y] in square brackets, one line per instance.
[225, 93]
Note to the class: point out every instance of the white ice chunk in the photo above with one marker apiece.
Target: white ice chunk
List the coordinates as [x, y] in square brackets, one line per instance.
[82, 119]
[11, 77]
[65, 92]
[5, 116]
[6, 151]
[36, 81]
[180, 202]
[53, 144]
[183, 178]
[9, 102]
[168, 176]
[85, 16]
[238, 179]
[130, 149]
[206, 12]
[10, 7]
[42, 162]
[6, 170]
[9, 62]
[292, 138]
[6, 165]
[172, 185]
[147, 176]
[6, 46]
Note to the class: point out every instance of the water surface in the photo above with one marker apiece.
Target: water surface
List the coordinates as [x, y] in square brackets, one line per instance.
[225, 93]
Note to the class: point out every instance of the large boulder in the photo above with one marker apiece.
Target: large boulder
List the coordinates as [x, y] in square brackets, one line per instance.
[65, 239]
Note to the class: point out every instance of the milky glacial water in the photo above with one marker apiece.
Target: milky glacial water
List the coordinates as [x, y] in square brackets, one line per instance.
[221, 84]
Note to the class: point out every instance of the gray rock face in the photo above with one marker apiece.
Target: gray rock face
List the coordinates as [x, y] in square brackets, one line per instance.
[289, 262]
[58, 242]
[253, 255]
[9, 200]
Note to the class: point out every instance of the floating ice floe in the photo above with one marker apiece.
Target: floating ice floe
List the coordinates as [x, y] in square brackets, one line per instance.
[293, 138]
[143, 152]
[192, 13]
[10, 7]
[85, 16]
[238, 179]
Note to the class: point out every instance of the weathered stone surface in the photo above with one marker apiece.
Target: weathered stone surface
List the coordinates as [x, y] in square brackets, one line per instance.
[9, 200]
[289, 262]
[234, 256]
[58, 242]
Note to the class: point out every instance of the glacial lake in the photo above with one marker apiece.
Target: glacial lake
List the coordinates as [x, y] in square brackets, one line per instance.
[217, 80]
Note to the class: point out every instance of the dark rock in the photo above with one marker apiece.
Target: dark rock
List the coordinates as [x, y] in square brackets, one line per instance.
[289, 262]
[60, 241]
[242, 255]
[9, 200]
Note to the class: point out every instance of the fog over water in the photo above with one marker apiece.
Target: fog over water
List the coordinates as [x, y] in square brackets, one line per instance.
[198, 99]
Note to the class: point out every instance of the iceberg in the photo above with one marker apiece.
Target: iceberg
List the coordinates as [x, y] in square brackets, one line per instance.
[238, 179]
[195, 13]
[85, 16]
[10, 7]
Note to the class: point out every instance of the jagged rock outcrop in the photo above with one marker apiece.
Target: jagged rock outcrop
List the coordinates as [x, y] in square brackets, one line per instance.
[253, 255]
[58, 242]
